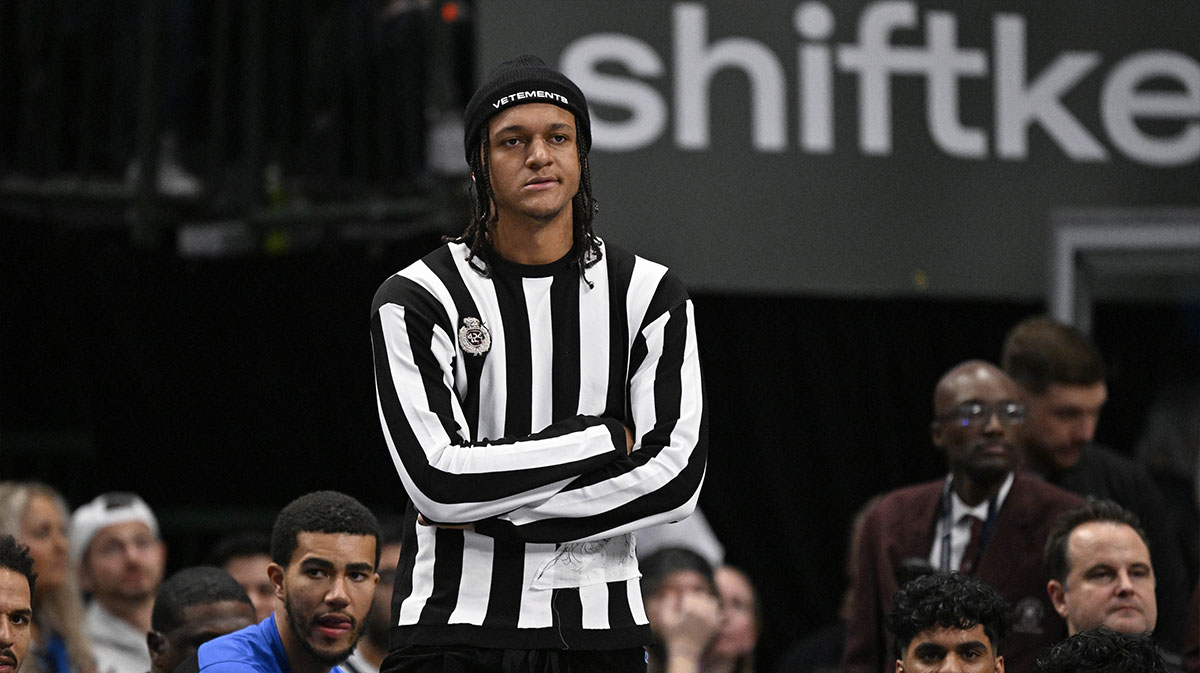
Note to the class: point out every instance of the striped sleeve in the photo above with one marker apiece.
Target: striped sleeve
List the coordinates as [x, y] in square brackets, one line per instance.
[450, 478]
[660, 481]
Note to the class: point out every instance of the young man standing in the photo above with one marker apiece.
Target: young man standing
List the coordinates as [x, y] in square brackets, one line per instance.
[16, 603]
[948, 623]
[324, 550]
[541, 397]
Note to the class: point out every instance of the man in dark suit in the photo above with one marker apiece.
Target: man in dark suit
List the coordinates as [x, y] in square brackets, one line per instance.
[982, 519]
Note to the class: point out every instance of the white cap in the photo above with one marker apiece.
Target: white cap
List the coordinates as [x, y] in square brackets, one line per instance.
[107, 509]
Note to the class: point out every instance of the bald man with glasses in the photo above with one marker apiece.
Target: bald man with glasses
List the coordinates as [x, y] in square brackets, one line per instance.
[983, 518]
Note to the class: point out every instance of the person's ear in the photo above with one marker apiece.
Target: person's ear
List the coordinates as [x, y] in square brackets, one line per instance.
[999, 665]
[156, 642]
[1058, 597]
[276, 573]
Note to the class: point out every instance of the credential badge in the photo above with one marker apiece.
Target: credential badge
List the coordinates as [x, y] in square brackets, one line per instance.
[473, 337]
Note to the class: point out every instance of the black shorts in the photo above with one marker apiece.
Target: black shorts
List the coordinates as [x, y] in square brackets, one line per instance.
[461, 659]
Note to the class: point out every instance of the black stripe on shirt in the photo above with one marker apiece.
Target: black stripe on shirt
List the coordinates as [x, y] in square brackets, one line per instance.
[409, 548]
[508, 579]
[447, 574]
[620, 615]
[518, 361]
[564, 316]
[442, 263]
[568, 611]
[620, 272]
[668, 383]
[669, 295]
[403, 438]
[408, 293]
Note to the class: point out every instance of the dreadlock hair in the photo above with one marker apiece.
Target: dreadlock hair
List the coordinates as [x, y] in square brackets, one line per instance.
[585, 250]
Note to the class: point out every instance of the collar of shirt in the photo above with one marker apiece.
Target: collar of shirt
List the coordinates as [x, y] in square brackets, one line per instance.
[960, 526]
[960, 509]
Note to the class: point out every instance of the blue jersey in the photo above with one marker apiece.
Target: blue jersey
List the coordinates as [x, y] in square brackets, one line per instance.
[254, 649]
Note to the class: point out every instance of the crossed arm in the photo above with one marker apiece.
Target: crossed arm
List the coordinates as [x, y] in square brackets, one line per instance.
[583, 477]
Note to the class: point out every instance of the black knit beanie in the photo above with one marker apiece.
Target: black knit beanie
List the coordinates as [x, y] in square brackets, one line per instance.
[523, 80]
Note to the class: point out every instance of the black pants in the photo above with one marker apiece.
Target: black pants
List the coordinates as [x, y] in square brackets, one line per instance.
[458, 659]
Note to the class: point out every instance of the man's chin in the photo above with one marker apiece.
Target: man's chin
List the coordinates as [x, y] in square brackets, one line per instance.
[327, 657]
[330, 655]
[1067, 458]
[136, 594]
[1130, 624]
[991, 471]
[543, 215]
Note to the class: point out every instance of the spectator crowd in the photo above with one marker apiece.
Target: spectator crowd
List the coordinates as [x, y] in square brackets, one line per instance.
[1038, 551]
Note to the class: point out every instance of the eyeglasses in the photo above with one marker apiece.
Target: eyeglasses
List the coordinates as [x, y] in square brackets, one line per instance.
[972, 414]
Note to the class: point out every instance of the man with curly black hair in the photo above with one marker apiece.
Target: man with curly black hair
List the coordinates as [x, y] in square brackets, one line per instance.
[1103, 650]
[948, 622]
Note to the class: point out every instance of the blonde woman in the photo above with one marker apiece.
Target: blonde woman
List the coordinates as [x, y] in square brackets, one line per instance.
[37, 516]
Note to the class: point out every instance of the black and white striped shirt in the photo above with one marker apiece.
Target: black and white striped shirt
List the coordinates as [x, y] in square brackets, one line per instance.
[527, 442]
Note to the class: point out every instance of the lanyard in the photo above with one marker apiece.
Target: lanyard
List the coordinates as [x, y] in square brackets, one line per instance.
[947, 524]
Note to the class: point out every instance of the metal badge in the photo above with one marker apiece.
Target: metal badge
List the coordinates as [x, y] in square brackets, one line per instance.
[473, 337]
[1028, 616]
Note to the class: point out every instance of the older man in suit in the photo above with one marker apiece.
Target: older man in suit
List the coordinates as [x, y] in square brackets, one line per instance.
[982, 519]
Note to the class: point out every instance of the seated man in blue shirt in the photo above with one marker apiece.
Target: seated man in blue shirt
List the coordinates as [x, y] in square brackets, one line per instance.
[192, 607]
[324, 551]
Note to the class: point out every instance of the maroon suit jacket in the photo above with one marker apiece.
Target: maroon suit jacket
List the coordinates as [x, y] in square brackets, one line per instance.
[902, 525]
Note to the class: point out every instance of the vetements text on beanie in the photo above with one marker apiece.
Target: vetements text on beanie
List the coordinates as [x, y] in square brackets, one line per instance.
[523, 80]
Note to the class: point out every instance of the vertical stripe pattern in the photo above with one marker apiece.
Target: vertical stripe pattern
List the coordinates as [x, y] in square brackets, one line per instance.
[526, 441]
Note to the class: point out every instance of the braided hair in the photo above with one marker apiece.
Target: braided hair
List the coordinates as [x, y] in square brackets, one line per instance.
[585, 249]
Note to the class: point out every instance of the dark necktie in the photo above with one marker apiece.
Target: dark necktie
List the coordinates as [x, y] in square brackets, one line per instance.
[970, 559]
